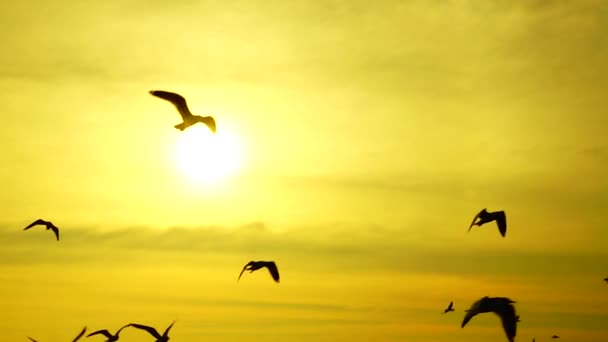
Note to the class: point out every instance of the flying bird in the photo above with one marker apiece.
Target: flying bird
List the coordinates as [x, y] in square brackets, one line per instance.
[484, 217]
[501, 306]
[80, 335]
[256, 265]
[106, 333]
[152, 331]
[31, 339]
[450, 308]
[554, 336]
[48, 224]
[180, 103]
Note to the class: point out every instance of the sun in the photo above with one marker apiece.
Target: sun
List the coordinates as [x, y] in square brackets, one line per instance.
[205, 157]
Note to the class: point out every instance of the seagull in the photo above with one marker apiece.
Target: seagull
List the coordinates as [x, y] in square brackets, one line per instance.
[501, 306]
[106, 333]
[450, 308]
[152, 331]
[485, 217]
[180, 103]
[80, 335]
[256, 265]
[48, 224]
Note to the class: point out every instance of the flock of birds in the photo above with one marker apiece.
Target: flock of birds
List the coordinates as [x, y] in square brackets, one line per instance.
[501, 306]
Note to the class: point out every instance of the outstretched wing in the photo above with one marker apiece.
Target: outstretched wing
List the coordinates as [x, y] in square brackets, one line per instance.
[471, 312]
[56, 231]
[274, 271]
[150, 330]
[38, 221]
[501, 221]
[178, 101]
[243, 270]
[168, 328]
[507, 315]
[103, 332]
[80, 335]
[474, 219]
[31, 339]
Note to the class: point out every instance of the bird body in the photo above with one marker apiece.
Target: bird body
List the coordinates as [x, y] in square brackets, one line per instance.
[48, 224]
[182, 107]
[159, 338]
[485, 216]
[256, 265]
[449, 308]
[501, 306]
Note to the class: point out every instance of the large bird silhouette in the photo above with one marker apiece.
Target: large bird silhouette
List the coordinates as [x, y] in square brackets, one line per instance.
[449, 308]
[256, 265]
[484, 217]
[501, 306]
[48, 224]
[106, 333]
[159, 338]
[180, 103]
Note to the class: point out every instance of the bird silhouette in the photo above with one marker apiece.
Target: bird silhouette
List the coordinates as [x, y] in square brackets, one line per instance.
[106, 333]
[606, 280]
[152, 331]
[31, 339]
[180, 103]
[484, 217]
[256, 265]
[501, 306]
[80, 335]
[554, 336]
[449, 308]
[48, 224]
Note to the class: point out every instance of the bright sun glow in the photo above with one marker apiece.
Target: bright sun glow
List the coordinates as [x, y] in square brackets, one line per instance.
[205, 157]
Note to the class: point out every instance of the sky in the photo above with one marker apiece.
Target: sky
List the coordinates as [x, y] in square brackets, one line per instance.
[355, 143]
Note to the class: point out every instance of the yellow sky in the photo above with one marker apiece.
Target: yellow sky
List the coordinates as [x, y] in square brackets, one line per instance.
[370, 134]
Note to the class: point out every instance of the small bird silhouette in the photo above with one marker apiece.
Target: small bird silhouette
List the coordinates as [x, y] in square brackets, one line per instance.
[256, 265]
[484, 217]
[606, 280]
[48, 224]
[554, 336]
[152, 331]
[31, 339]
[106, 333]
[180, 103]
[449, 308]
[501, 306]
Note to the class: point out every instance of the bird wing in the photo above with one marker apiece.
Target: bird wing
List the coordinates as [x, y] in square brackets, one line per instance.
[274, 271]
[178, 101]
[56, 231]
[80, 335]
[501, 221]
[32, 339]
[474, 219]
[103, 332]
[451, 305]
[506, 312]
[150, 330]
[244, 268]
[471, 312]
[38, 221]
[168, 328]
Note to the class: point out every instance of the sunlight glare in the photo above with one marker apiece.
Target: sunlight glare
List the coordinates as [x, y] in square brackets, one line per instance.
[205, 157]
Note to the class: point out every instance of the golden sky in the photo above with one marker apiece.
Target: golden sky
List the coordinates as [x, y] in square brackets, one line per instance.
[370, 134]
